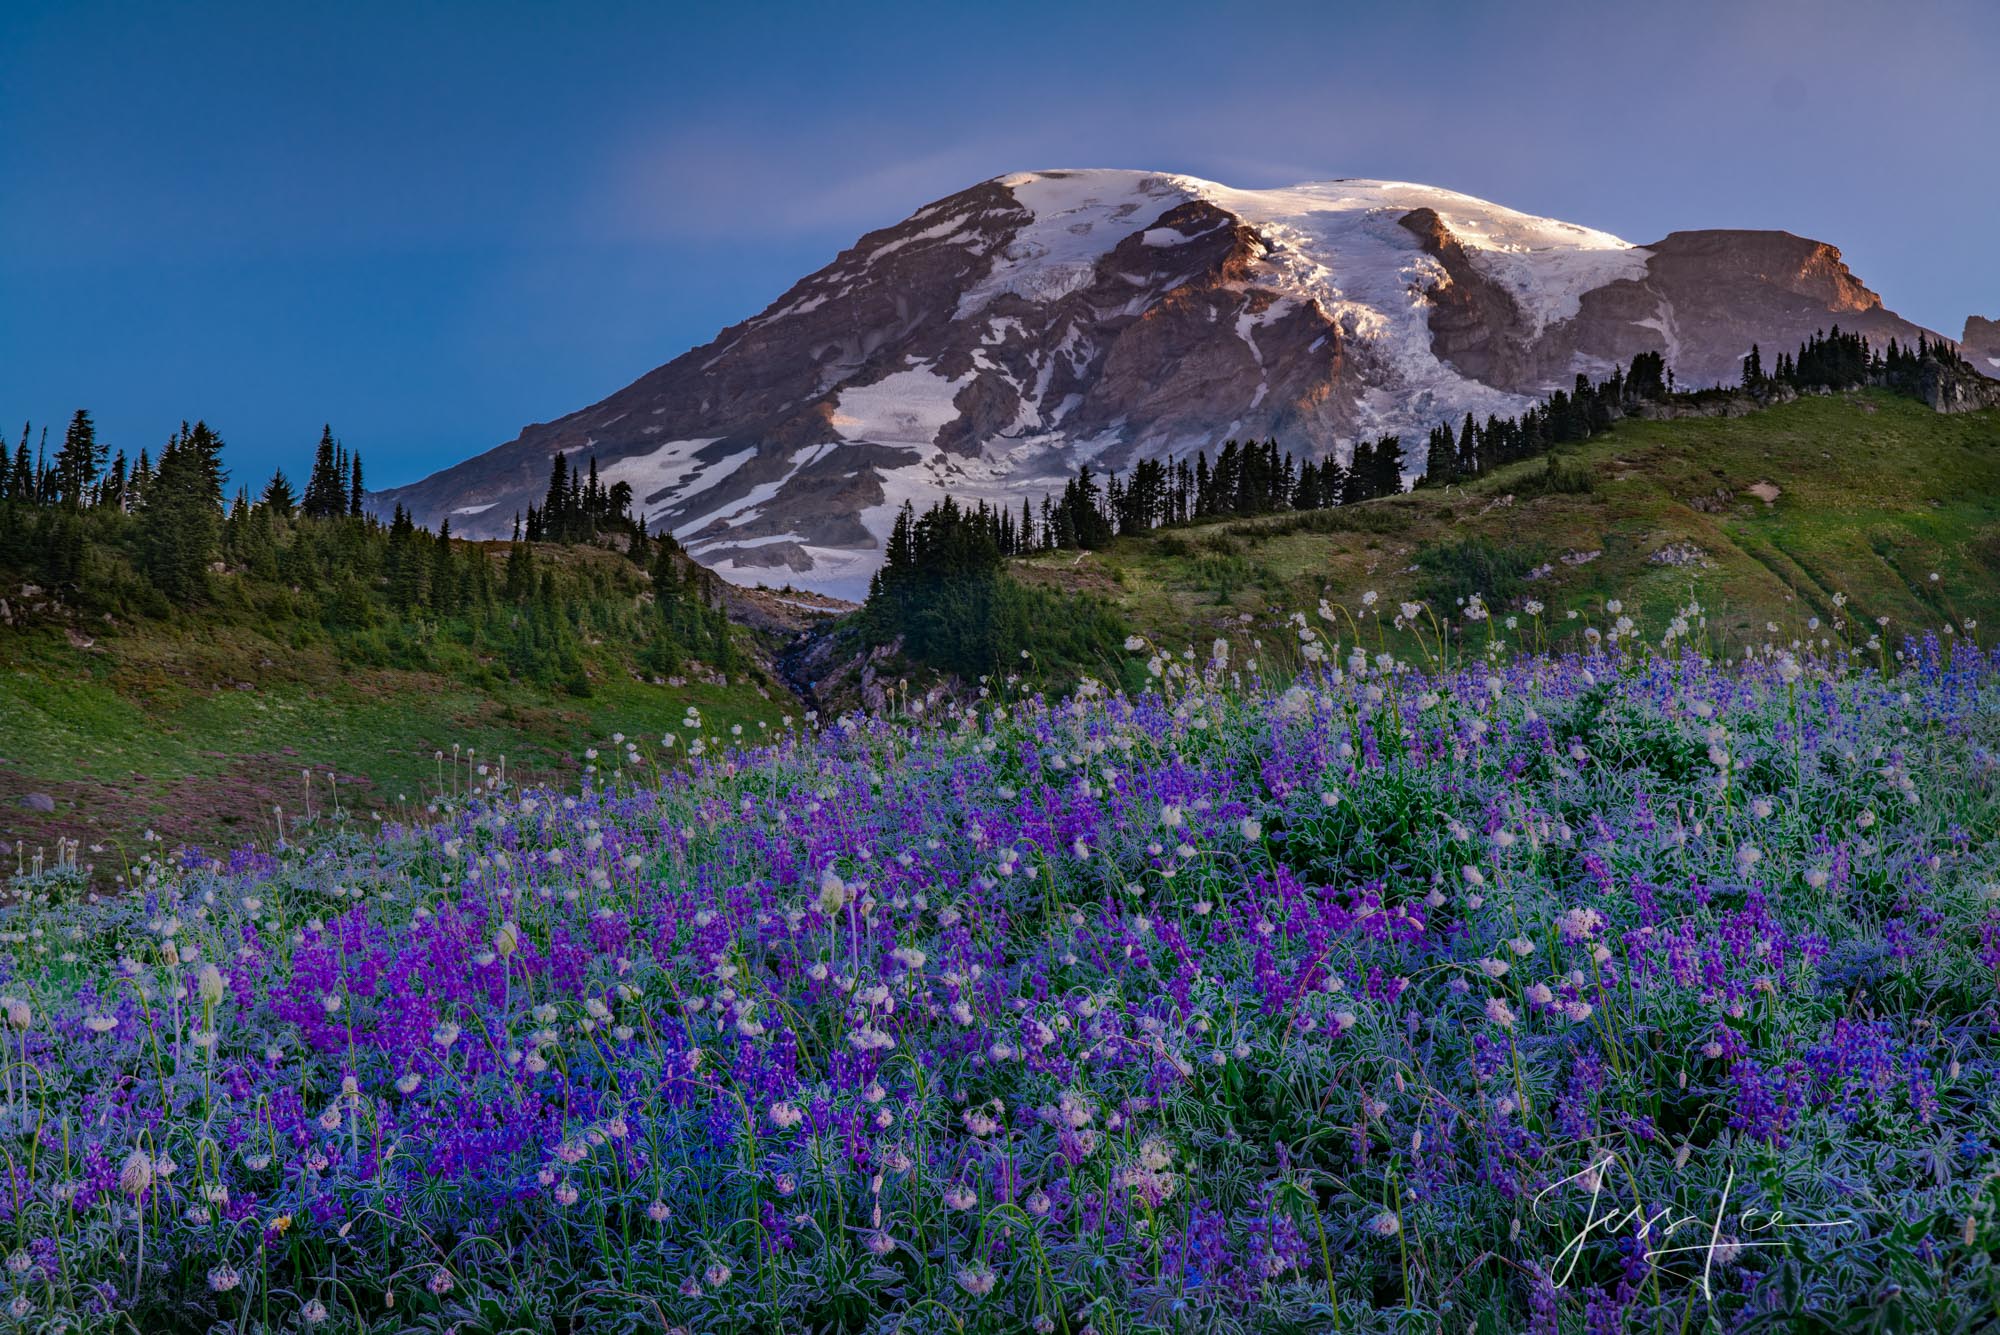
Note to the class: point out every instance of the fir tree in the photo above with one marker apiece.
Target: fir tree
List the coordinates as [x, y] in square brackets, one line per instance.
[21, 484]
[519, 581]
[401, 566]
[444, 585]
[1361, 474]
[325, 495]
[1753, 368]
[182, 514]
[78, 461]
[277, 496]
[111, 495]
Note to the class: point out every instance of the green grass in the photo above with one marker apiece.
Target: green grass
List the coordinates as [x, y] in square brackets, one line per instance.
[196, 731]
[1875, 492]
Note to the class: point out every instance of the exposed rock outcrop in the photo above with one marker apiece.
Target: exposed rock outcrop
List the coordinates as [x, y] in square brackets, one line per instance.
[1953, 388]
[1981, 345]
[1476, 325]
[1707, 296]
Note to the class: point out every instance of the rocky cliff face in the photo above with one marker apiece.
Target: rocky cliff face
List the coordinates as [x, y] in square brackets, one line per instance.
[1955, 388]
[998, 339]
[1981, 345]
[1707, 296]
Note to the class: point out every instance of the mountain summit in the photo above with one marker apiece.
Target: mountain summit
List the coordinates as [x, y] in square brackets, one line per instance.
[998, 339]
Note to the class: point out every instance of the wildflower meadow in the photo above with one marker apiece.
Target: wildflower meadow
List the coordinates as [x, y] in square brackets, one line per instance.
[1620, 986]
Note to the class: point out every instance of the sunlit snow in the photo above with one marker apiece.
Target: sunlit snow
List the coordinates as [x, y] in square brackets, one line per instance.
[907, 407]
[1337, 245]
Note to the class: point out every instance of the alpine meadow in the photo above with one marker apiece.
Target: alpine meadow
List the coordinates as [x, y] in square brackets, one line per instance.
[1129, 755]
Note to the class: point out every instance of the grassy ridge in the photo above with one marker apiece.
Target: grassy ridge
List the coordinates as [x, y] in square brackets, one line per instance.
[196, 727]
[1873, 493]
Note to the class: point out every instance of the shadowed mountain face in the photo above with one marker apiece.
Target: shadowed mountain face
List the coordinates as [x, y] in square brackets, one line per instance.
[1981, 344]
[995, 341]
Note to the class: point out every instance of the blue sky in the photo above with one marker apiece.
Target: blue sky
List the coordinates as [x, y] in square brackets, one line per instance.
[432, 223]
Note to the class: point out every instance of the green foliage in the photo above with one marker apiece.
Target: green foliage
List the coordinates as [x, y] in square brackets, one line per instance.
[943, 592]
[578, 507]
[688, 620]
[182, 515]
[1379, 519]
[1560, 474]
[78, 461]
[164, 663]
[1454, 571]
[153, 543]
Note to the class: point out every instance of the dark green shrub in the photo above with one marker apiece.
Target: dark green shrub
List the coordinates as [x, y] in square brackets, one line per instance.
[1456, 570]
[1560, 474]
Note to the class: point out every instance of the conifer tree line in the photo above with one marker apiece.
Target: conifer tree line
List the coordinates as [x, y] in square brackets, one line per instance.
[577, 507]
[1247, 478]
[1257, 477]
[333, 488]
[1566, 417]
[1834, 360]
[942, 591]
[154, 537]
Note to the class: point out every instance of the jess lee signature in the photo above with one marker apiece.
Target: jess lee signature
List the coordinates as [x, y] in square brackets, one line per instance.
[1664, 1225]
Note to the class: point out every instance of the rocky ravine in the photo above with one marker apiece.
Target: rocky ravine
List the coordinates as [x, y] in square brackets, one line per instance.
[998, 339]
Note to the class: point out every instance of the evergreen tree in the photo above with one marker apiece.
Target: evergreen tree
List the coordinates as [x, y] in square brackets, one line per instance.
[618, 503]
[182, 514]
[325, 495]
[1334, 481]
[444, 583]
[1361, 474]
[402, 566]
[21, 483]
[1441, 458]
[1470, 450]
[1648, 377]
[277, 496]
[111, 495]
[78, 461]
[941, 589]
[1389, 466]
[556, 502]
[519, 581]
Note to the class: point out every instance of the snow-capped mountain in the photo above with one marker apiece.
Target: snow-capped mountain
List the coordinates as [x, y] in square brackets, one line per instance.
[996, 340]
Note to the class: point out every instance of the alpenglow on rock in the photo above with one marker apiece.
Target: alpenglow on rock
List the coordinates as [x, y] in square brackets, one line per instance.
[998, 339]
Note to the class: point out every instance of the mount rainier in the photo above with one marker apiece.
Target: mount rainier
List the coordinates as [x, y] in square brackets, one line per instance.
[996, 340]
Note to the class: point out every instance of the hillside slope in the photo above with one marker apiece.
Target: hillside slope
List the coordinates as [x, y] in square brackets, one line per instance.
[198, 724]
[1763, 518]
